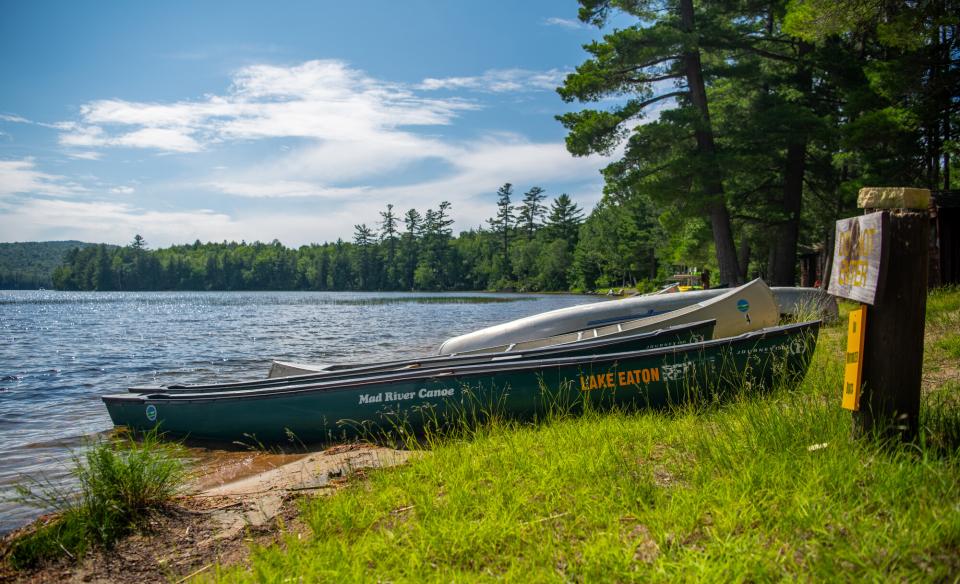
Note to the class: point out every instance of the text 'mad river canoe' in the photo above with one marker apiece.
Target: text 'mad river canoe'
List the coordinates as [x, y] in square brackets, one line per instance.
[318, 411]
[666, 337]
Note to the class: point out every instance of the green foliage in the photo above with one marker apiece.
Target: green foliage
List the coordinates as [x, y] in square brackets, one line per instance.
[30, 265]
[805, 102]
[120, 483]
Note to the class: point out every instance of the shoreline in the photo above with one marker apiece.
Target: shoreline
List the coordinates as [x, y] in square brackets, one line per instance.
[248, 497]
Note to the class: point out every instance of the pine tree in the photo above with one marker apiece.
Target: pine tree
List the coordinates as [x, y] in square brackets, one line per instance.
[502, 224]
[413, 222]
[531, 212]
[367, 265]
[564, 220]
[389, 241]
[664, 45]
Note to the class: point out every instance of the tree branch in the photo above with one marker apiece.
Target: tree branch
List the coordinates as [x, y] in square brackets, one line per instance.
[635, 68]
[654, 100]
[655, 79]
[772, 55]
[767, 39]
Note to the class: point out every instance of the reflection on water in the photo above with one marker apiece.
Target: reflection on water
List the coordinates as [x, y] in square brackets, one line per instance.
[61, 350]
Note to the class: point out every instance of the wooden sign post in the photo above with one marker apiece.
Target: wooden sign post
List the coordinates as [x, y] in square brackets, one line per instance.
[881, 259]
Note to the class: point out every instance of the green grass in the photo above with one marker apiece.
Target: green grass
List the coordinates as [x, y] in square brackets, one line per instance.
[120, 483]
[950, 345]
[761, 488]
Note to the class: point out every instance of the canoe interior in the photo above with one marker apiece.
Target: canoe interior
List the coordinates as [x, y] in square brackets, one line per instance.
[668, 336]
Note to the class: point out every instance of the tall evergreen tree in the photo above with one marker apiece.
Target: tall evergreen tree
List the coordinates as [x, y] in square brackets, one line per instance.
[665, 45]
[531, 212]
[413, 222]
[389, 241]
[502, 224]
[564, 220]
[367, 265]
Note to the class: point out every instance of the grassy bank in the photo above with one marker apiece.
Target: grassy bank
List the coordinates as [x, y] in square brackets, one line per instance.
[121, 481]
[761, 488]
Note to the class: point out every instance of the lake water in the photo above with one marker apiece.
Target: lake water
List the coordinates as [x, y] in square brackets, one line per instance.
[61, 350]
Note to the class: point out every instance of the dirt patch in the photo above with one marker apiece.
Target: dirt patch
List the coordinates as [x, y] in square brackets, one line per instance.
[245, 502]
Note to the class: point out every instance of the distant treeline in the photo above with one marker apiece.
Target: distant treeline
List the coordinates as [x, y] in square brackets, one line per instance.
[525, 246]
[29, 265]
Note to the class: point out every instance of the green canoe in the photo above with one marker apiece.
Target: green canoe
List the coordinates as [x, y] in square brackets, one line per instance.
[318, 411]
[667, 337]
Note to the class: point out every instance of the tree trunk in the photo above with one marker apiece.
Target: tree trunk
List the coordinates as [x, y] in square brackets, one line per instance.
[743, 256]
[713, 187]
[784, 262]
[783, 270]
[723, 239]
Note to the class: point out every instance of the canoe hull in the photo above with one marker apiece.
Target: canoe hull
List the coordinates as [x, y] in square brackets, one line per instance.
[365, 407]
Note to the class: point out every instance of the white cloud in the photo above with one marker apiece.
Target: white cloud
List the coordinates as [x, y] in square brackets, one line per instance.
[322, 100]
[166, 139]
[353, 144]
[14, 119]
[84, 137]
[564, 22]
[107, 222]
[474, 174]
[85, 155]
[480, 168]
[22, 177]
[280, 189]
[499, 80]
[171, 140]
[469, 170]
[111, 222]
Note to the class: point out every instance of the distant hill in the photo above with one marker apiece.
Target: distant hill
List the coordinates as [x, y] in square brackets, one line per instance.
[28, 265]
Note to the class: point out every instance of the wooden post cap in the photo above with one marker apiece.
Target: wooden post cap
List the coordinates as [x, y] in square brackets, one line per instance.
[893, 198]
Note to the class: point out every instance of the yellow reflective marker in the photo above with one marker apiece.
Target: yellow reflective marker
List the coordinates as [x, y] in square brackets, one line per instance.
[853, 368]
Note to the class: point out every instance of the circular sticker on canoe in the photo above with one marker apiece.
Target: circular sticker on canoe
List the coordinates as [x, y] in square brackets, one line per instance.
[151, 412]
[743, 305]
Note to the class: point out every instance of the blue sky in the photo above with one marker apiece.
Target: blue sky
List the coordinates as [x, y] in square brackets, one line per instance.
[287, 120]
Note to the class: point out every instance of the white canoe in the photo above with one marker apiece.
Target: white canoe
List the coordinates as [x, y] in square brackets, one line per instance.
[739, 310]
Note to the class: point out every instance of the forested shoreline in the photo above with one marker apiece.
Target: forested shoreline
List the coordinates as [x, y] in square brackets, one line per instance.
[30, 265]
[527, 245]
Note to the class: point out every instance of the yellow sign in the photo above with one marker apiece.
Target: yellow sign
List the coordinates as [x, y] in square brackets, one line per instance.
[853, 369]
